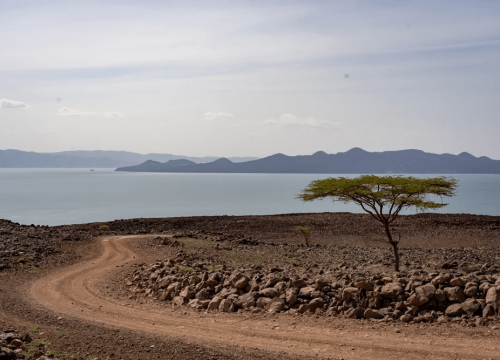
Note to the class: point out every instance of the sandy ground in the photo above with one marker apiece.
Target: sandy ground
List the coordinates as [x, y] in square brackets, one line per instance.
[78, 292]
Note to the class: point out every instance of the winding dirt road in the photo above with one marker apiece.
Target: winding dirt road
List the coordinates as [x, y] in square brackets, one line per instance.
[75, 292]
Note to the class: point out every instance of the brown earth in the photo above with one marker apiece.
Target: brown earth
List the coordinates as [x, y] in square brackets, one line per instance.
[94, 310]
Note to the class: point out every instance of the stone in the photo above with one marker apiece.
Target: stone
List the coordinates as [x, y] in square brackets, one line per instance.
[362, 283]
[349, 293]
[276, 305]
[441, 279]
[178, 301]
[269, 292]
[299, 283]
[406, 318]
[439, 295]
[457, 282]
[443, 319]
[281, 287]
[493, 297]
[187, 293]
[163, 283]
[422, 295]
[371, 314]
[484, 287]
[214, 303]
[356, 313]
[316, 304]
[238, 280]
[199, 304]
[225, 305]
[488, 310]
[247, 301]
[320, 283]
[202, 295]
[194, 280]
[471, 307]
[307, 291]
[17, 343]
[455, 294]
[471, 289]
[454, 310]
[303, 308]
[392, 290]
[263, 302]
[291, 297]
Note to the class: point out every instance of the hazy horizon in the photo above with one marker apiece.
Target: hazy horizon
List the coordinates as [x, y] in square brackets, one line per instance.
[250, 78]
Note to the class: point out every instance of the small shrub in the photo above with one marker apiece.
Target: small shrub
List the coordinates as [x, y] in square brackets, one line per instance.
[306, 232]
[62, 334]
[214, 267]
[52, 352]
[185, 269]
[34, 329]
[104, 227]
[34, 271]
[343, 246]
[3, 274]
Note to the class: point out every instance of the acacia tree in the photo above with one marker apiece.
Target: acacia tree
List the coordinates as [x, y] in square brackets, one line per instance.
[383, 197]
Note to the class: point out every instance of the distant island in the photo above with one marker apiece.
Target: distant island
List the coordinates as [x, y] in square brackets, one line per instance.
[90, 159]
[354, 161]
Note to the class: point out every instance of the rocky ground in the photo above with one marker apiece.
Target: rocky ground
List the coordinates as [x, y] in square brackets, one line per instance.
[259, 265]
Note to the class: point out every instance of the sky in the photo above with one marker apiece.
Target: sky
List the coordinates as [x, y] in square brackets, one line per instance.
[250, 78]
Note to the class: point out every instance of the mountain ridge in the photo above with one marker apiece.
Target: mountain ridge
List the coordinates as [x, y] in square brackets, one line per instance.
[353, 161]
[11, 158]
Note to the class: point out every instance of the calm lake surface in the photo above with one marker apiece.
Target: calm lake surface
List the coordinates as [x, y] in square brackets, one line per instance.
[70, 196]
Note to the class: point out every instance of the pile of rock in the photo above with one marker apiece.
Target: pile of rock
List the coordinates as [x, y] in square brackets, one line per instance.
[14, 345]
[471, 299]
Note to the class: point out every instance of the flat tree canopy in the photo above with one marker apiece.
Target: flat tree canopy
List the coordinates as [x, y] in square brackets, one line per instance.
[383, 197]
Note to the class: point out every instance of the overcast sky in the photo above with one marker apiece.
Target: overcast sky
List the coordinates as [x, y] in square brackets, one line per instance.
[250, 78]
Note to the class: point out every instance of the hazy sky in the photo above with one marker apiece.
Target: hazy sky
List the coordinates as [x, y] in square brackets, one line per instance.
[250, 78]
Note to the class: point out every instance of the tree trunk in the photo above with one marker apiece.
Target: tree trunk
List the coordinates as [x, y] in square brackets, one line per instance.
[394, 246]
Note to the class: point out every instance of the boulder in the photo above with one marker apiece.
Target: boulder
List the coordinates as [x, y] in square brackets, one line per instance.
[422, 295]
[441, 279]
[457, 282]
[493, 297]
[356, 313]
[362, 283]
[194, 280]
[320, 283]
[371, 314]
[488, 310]
[454, 310]
[439, 295]
[263, 302]
[307, 291]
[291, 297]
[203, 295]
[391, 290]
[225, 305]
[299, 283]
[178, 301]
[455, 294]
[214, 303]
[248, 300]
[471, 289]
[276, 305]
[187, 293]
[406, 318]
[238, 280]
[471, 307]
[269, 292]
[349, 293]
[316, 304]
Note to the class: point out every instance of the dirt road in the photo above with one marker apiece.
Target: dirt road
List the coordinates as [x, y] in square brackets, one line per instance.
[76, 291]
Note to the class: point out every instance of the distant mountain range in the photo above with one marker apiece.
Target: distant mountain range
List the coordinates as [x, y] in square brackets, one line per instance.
[91, 159]
[354, 161]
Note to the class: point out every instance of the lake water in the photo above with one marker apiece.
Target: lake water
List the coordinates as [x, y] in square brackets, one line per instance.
[70, 196]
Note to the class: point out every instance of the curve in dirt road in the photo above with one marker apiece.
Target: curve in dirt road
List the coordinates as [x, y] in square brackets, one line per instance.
[73, 291]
